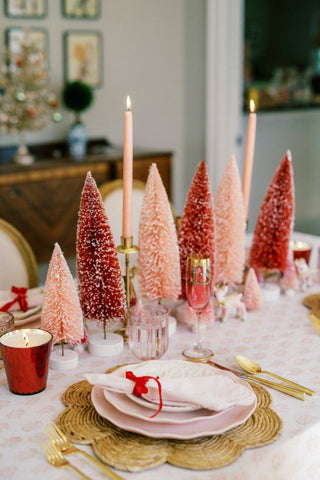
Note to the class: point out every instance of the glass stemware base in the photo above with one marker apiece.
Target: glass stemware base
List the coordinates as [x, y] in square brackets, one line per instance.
[196, 352]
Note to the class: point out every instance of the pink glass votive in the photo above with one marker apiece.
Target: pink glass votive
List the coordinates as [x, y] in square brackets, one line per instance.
[301, 250]
[26, 359]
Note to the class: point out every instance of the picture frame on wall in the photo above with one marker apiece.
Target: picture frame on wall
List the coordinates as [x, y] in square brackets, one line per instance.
[26, 8]
[83, 57]
[37, 36]
[81, 9]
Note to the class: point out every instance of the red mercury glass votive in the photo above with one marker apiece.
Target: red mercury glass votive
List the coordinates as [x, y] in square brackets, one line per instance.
[301, 250]
[26, 359]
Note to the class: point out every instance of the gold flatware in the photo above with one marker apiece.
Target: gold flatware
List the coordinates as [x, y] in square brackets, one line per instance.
[251, 367]
[315, 321]
[292, 392]
[61, 442]
[58, 460]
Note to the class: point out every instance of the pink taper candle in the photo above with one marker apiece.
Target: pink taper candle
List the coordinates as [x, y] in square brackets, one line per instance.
[248, 157]
[127, 173]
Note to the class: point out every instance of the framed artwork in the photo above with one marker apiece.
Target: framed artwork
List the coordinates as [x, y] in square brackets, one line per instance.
[15, 36]
[26, 8]
[85, 9]
[83, 57]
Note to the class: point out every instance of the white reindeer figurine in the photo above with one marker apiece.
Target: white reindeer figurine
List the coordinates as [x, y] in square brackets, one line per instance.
[226, 304]
[303, 271]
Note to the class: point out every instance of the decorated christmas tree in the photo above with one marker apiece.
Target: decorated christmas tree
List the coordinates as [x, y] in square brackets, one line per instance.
[229, 227]
[252, 292]
[269, 251]
[101, 288]
[26, 102]
[159, 266]
[196, 230]
[61, 311]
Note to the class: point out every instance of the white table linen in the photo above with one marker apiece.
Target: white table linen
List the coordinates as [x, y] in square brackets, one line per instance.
[280, 337]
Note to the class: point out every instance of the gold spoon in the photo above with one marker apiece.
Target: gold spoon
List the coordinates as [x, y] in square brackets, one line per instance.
[251, 367]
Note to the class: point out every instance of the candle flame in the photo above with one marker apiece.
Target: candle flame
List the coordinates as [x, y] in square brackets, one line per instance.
[128, 103]
[25, 338]
[252, 106]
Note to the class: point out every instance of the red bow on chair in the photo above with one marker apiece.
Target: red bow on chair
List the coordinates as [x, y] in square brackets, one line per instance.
[21, 298]
[140, 387]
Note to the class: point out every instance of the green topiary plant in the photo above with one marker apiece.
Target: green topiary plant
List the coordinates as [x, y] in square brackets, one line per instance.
[77, 96]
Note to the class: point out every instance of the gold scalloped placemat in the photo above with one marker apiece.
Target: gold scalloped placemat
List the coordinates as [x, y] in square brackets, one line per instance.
[133, 452]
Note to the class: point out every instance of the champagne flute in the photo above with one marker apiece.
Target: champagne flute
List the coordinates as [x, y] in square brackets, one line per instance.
[198, 289]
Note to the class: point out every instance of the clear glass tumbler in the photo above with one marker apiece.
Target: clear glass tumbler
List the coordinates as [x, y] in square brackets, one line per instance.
[148, 331]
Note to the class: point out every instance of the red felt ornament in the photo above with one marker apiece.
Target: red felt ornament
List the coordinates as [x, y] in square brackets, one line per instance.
[19, 62]
[101, 288]
[274, 226]
[196, 229]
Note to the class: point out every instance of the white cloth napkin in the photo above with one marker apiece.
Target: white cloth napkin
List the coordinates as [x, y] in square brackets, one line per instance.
[34, 297]
[212, 389]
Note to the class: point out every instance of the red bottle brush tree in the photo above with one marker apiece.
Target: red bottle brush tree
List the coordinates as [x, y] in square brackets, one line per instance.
[229, 227]
[61, 311]
[101, 288]
[159, 266]
[269, 251]
[196, 230]
[252, 292]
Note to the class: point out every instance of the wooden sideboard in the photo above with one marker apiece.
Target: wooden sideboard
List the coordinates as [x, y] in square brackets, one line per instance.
[42, 200]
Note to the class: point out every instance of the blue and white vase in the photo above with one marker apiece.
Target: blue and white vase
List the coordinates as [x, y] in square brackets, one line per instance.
[77, 139]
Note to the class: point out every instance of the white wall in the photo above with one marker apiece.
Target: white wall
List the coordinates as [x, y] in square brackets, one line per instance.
[154, 51]
[298, 131]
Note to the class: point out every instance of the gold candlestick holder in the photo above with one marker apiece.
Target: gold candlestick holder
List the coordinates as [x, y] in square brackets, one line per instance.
[127, 248]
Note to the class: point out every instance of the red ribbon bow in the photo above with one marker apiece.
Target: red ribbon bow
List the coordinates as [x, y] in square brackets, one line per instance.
[140, 387]
[21, 298]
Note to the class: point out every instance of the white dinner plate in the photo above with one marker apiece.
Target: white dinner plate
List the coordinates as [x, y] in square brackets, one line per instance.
[210, 425]
[125, 405]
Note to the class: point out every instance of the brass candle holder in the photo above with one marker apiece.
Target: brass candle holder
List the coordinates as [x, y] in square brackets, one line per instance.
[127, 248]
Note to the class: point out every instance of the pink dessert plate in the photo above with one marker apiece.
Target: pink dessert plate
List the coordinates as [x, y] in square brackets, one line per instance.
[208, 425]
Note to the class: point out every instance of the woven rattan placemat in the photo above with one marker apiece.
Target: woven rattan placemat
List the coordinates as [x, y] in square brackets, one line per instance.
[133, 452]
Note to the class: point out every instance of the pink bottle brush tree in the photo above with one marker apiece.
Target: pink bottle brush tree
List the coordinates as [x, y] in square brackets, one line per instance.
[196, 232]
[159, 266]
[269, 251]
[61, 311]
[229, 227]
[252, 291]
[101, 287]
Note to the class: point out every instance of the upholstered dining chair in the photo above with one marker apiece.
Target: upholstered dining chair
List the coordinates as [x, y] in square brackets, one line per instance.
[18, 264]
[111, 193]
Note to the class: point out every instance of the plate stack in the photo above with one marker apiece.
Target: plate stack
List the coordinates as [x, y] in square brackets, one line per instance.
[198, 400]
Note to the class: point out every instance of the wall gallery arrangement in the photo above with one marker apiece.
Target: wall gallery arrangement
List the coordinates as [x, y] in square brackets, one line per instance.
[82, 48]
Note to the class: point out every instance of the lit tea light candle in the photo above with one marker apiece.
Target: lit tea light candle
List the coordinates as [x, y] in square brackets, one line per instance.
[26, 358]
[301, 250]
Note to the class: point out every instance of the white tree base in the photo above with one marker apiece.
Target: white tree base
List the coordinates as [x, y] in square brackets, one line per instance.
[105, 347]
[270, 292]
[172, 326]
[59, 362]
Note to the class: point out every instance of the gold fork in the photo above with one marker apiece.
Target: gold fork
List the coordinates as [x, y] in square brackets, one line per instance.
[57, 459]
[61, 442]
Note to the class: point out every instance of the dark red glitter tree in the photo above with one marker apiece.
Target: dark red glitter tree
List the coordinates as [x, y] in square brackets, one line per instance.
[196, 230]
[101, 288]
[274, 226]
